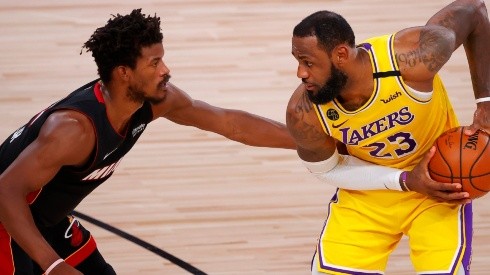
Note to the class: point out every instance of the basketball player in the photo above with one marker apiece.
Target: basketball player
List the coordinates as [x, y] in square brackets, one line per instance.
[383, 103]
[65, 151]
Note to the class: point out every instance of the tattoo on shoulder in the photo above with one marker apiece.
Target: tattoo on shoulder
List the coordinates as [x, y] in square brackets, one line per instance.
[304, 104]
[433, 51]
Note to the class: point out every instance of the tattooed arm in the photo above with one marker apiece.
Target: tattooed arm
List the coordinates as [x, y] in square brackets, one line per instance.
[312, 143]
[466, 22]
[422, 51]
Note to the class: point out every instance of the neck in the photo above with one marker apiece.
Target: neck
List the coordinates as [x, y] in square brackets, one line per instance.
[118, 108]
[360, 85]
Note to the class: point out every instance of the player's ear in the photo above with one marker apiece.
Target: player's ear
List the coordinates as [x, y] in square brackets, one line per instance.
[122, 72]
[340, 55]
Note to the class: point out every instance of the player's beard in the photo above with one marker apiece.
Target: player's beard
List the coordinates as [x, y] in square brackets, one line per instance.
[136, 94]
[332, 88]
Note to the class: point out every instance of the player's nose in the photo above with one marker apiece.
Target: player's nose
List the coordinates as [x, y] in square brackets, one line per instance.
[302, 72]
[164, 70]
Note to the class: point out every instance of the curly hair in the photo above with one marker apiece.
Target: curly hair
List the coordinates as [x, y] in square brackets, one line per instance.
[120, 41]
[330, 28]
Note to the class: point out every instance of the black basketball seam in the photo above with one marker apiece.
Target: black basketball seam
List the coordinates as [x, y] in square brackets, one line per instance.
[445, 162]
[473, 165]
[461, 154]
[463, 177]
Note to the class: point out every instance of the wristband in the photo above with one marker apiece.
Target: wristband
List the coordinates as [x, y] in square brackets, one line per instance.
[483, 99]
[403, 183]
[53, 265]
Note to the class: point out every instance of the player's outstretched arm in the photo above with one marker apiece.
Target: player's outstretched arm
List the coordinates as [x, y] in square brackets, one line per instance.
[236, 125]
[66, 138]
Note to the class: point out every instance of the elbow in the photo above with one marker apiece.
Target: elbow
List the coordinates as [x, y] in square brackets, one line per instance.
[482, 9]
[480, 4]
[479, 9]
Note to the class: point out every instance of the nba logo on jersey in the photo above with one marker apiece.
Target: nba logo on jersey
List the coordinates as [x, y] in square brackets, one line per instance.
[332, 114]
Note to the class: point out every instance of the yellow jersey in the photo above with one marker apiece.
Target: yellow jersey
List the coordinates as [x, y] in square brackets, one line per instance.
[397, 125]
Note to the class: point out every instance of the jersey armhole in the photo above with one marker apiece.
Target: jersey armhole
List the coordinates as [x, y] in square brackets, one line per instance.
[93, 155]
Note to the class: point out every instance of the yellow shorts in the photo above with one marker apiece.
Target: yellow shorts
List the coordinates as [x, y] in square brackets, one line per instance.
[363, 228]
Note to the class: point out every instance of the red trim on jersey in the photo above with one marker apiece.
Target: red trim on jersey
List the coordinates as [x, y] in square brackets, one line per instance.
[31, 197]
[6, 255]
[98, 93]
[100, 98]
[35, 117]
[82, 253]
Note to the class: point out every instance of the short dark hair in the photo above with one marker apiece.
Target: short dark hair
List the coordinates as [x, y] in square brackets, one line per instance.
[120, 41]
[330, 28]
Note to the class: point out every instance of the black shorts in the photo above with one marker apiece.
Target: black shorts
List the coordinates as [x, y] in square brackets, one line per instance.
[68, 238]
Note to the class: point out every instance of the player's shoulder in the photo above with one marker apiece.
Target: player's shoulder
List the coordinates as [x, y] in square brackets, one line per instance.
[175, 100]
[297, 95]
[69, 137]
[68, 124]
[175, 94]
[300, 108]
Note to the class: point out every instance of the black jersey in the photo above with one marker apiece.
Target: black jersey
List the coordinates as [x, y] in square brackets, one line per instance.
[71, 184]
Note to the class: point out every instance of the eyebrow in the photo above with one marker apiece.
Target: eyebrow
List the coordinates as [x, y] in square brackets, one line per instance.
[302, 56]
[153, 59]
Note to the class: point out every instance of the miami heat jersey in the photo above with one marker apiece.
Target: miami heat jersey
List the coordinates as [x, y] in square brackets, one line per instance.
[396, 121]
[70, 185]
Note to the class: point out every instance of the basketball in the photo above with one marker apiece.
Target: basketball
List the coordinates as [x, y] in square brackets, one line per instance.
[464, 159]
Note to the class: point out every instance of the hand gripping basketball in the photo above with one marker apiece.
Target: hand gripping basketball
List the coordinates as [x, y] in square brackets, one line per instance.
[464, 159]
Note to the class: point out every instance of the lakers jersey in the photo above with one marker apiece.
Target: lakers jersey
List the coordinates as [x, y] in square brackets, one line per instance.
[397, 125]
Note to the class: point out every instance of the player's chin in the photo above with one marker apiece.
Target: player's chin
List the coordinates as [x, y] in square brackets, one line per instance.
[312, 94]
[158, 98]
[161, 91]
[310, 88]
[162, 97]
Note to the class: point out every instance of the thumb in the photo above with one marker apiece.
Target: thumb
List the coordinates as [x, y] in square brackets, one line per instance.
[470, 130]
[428, 156]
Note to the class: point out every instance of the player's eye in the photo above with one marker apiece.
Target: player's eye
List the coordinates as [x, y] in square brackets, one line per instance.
[155, 62]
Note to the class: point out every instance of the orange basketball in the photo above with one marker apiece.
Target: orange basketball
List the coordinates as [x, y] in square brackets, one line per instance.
[464, 159]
